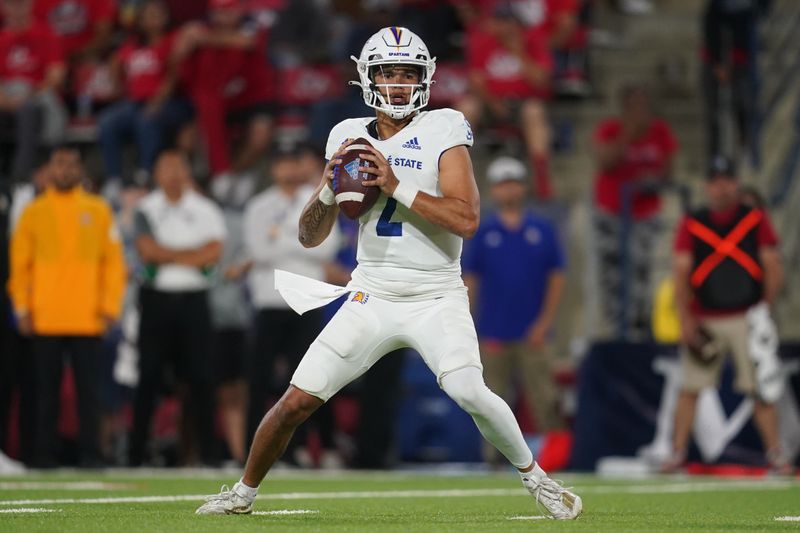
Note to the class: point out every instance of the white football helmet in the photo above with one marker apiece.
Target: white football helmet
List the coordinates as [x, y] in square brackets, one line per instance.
[394, 46]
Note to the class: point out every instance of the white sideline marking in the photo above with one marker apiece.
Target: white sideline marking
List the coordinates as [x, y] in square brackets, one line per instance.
[682, 488]
[675, 488]
[63, 485]
[458, 493]
[537, 517]
[29, 510]
[787, 518]
[286, 512]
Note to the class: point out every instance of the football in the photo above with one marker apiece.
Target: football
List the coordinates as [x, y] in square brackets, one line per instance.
[354, 199]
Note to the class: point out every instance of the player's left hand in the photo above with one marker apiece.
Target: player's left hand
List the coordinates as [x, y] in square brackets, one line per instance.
[384, 175]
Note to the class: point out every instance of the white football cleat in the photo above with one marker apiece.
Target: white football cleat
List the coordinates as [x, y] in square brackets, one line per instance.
[226, 502]
[10, 467]
[559, 502]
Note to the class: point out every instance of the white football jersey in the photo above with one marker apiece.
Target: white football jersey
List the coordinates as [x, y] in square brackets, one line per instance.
[400, 254]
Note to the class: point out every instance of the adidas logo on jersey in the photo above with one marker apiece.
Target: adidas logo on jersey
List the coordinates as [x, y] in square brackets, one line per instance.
[413, 144]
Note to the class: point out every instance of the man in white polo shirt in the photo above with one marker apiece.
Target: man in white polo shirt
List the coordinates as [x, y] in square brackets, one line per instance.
[270, 235]
[179, 236]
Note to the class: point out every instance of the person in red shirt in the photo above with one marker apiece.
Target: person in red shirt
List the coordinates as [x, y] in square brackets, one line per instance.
[727, 271]
[228, 77]
[83, 26]
[31, 72]
[148, 109]
[556, 19]
[634, 154]
[563, 23]
[509, 70]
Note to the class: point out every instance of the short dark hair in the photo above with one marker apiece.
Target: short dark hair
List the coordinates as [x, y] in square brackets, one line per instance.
[65, 147]
[174, 152]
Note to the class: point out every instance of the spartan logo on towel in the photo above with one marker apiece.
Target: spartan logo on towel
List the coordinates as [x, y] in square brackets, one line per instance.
[360, 297]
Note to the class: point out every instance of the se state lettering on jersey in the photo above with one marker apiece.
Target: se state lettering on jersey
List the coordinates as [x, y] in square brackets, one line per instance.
[404, 162]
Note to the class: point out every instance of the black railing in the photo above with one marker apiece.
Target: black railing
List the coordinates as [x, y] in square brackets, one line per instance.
[626, 225]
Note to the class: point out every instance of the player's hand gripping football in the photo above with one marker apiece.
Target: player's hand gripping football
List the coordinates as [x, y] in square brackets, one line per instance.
[336, 158]
[384, 175]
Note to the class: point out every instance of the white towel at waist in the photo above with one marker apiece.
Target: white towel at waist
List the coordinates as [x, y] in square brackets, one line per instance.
[303, 294]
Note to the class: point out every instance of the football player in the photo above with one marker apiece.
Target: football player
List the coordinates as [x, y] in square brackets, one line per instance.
[407, 289]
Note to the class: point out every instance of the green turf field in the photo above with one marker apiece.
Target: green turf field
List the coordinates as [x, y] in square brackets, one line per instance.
[403, 502]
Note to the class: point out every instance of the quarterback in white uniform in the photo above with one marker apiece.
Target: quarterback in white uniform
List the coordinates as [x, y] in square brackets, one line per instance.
[407, 289]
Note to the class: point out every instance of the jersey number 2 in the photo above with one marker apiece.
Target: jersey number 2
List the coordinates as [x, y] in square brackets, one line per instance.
[386, 228]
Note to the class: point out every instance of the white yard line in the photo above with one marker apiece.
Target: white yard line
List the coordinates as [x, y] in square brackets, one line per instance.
[282, 512]
[25, 510]
[64, 485]
[787, 518]
[674, 488]
[537, 517]
[120, 499]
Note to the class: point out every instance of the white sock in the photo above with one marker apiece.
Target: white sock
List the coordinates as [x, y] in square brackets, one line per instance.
[537, 473]
[491, 414]
[243, 490]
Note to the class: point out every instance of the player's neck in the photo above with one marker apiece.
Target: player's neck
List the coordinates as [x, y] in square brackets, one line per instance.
[388, 126]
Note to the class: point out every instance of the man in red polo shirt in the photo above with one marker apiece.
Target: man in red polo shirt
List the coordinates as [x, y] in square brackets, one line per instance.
[633, 152]
[229, 79]
[726, 262]
[83, 26]
[509, 69]
[31, 72]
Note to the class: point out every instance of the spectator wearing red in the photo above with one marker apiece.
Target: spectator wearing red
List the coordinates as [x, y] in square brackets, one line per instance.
[728, 272]
[148, 108]
[229, 80]
[509, 69]
[633, 152]
[563, 23]
[31, 73]
[84, 27]
[556, 19]
[566, 25]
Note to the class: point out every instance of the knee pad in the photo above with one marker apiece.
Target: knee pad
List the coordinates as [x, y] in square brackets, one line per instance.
[466, 387]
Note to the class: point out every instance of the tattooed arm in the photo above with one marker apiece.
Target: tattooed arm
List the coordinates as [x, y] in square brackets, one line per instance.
[318, 218]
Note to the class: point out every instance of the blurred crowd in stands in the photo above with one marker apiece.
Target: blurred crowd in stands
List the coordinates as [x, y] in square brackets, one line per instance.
[190, 104]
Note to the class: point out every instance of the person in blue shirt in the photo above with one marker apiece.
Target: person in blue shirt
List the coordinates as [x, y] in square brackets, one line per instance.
[514, 270]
